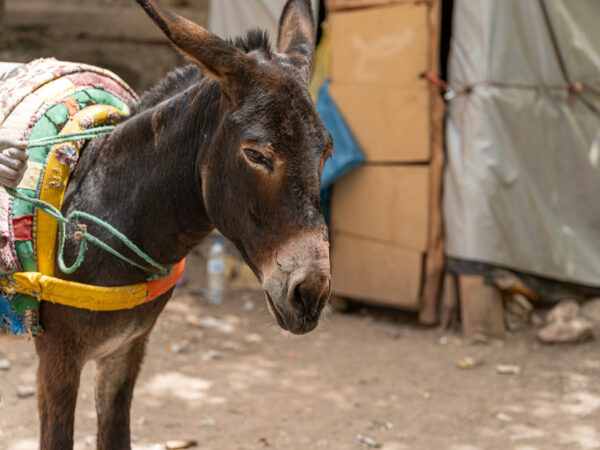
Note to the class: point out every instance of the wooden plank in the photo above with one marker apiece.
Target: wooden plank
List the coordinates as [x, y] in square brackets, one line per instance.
[375, 273]
[390, 124]
[481, 307]
[393, 205]
[385, 46]
[434, 265]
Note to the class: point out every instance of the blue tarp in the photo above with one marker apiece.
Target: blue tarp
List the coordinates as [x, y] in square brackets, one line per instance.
[347, 154]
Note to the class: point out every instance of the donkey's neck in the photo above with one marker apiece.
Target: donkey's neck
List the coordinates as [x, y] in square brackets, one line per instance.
[143, 179]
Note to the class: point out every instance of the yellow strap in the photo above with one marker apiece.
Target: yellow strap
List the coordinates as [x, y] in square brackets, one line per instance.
[56, 178]
[42, 284]
[78, 295]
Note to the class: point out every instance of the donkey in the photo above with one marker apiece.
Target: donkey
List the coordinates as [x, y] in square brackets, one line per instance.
[232, 141]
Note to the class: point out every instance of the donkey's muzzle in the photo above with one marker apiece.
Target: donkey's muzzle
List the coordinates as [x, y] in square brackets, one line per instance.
[299, 310]
[298, 282]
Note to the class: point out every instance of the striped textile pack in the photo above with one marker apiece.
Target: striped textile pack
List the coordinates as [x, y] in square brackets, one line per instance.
[37, 100]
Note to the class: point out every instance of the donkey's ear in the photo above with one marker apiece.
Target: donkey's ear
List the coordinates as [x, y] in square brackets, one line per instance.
[218, 58]
[297, 35]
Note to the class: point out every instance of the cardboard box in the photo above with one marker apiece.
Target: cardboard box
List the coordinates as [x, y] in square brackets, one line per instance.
[387, 46]
[390, 124]
[386, 204]
[377, 273]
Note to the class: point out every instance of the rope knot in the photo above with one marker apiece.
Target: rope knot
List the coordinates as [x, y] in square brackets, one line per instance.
[80, 231]
[575, 88]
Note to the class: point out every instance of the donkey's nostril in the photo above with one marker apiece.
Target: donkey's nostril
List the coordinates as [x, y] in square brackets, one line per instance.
[310, 295]
[298, 302]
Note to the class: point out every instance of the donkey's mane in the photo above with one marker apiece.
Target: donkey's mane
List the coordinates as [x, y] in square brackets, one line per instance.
[255, 39]
[176, 81]
[181, 78]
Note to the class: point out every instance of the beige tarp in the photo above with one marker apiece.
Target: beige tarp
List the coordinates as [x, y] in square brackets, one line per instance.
[522, 184]
[231, 18]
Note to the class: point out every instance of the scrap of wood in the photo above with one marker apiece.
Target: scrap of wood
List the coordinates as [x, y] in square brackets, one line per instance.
[434, 265]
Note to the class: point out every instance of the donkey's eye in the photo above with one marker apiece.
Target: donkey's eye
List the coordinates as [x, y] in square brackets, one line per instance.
[257, 157]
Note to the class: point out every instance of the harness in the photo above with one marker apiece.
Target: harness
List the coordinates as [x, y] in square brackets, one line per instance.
[58, 100]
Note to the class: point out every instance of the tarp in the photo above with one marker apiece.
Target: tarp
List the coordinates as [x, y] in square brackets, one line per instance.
[522, 183]
[231, 18]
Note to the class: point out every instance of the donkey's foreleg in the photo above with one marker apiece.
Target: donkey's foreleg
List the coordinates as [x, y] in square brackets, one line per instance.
[58, 376]
[115, 378]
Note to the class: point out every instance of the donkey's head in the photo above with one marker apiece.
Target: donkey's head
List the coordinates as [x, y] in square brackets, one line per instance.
[261, 173]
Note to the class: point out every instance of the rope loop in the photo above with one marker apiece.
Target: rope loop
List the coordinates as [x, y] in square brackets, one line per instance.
[79, 230]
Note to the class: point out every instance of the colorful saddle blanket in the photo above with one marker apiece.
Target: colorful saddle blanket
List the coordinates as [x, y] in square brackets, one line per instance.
[37, 100]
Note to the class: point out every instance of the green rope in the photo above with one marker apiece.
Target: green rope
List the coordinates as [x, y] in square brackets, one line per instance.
[81, 232]
[68, 137]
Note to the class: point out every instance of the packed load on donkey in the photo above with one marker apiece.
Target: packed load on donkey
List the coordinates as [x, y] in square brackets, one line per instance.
[41, 100]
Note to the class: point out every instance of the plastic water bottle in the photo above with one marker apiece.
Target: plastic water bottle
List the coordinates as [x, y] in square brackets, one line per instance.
[215, 268]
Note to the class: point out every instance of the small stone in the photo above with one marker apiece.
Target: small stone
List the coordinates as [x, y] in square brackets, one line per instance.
[253, 338]
[426, 395]
[179, 347]
[466, 363]
[213, 322]
[565, 310]
[4, 364]
[578, 329]
[249, 305]
[90, 441]
[25, 391]
[508, 369]
[444, 340]
[208, 422]
[178, 444]
[92, 415]
[175, 348]
[368, 441]
[504, 417]
[211, 355]
[383, 425]
[566, 325]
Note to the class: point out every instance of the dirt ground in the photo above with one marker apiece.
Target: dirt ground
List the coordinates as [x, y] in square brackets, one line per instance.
[226, 377]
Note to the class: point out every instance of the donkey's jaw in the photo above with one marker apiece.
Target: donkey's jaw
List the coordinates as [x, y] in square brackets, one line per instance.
[297, 282]
[298, 325]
